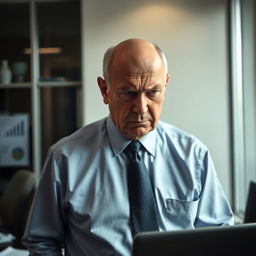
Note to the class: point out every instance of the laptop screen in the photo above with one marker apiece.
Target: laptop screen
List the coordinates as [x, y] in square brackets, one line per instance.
[211, 241]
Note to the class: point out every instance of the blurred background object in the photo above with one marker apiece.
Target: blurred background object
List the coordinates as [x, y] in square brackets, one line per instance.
[15, 203]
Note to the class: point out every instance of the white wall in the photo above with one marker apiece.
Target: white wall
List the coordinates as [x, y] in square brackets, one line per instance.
[194, 36]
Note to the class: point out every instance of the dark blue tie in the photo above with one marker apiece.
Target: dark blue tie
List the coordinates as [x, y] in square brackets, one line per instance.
[141, 197]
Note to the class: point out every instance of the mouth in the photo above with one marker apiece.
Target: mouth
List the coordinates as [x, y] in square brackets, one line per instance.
[138, 123]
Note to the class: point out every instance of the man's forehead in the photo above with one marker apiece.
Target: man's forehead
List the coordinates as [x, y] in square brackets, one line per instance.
[140, 75]
[147, 79]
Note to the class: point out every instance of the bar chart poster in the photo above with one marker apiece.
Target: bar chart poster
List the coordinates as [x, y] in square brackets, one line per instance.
[14, 140]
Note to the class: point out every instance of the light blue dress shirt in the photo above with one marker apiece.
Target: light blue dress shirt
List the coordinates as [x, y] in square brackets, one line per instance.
[82, 199]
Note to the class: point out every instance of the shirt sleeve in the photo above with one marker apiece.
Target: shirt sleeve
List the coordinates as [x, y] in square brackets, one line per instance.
[44, 234]
[213, 208]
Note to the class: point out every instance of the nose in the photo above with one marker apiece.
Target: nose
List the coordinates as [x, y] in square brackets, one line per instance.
[140, 104]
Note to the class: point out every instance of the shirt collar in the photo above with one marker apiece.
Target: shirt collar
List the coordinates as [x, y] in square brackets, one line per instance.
[119, 142]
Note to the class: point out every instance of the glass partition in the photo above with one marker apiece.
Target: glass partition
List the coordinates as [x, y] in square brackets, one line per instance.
[59, 113]
[59, 41]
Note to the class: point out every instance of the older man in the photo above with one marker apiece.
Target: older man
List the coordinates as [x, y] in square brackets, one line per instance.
[96, 192]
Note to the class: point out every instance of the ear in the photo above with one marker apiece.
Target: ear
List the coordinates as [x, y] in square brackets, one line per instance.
[167, 78]
[103, 89]
[166, 82]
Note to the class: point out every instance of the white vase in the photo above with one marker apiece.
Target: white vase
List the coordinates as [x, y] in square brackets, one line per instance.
[5, 73]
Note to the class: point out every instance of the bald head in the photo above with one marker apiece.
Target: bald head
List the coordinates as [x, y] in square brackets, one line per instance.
[133, 52]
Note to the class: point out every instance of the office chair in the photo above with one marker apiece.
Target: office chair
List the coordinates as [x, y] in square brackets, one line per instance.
[250, 209]
[15, 203]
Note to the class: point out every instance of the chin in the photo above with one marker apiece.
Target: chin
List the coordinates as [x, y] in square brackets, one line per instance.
[138, 134]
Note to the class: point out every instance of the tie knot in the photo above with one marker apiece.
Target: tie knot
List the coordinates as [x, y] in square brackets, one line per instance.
[133, 149]
[134, 146]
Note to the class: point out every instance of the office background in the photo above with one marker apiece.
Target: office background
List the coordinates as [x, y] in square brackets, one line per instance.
[200, 39]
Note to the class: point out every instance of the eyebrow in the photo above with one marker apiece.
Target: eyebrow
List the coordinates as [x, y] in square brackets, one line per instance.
[132, 87]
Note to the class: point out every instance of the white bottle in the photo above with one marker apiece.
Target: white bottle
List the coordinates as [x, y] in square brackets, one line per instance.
[5, 73]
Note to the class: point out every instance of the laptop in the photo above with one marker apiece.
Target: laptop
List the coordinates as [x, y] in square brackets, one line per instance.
[211, 241]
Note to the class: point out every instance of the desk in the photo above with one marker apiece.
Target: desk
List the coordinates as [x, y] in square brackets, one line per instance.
[10, 251]
[5, 245]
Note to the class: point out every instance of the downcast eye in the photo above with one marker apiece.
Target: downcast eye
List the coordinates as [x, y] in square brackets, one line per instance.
[154, 94]
[127, 95]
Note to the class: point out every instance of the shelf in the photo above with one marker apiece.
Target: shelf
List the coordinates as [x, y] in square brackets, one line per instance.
[51, 90]
[41, 84]
[15, 85]
[60, 84]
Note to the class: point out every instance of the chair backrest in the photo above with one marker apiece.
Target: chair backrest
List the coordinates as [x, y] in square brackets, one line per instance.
[16, 200]
[250, 210]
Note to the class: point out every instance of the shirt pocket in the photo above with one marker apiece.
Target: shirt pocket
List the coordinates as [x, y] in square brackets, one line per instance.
[181, 213]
